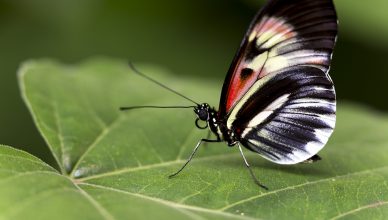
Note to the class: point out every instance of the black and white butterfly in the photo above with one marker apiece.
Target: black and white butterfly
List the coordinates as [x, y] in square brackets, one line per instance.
[278, 99]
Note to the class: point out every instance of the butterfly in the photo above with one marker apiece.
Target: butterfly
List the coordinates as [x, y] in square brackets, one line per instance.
[278, 99]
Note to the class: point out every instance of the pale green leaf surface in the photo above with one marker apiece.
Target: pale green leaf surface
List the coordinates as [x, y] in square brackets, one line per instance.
[114, 165]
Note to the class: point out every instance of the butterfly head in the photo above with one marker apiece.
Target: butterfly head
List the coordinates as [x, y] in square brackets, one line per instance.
[202, 112]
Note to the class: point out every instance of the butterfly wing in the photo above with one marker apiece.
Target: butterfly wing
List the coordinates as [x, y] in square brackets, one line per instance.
[284, 33]
[278, 97]
[287, 117]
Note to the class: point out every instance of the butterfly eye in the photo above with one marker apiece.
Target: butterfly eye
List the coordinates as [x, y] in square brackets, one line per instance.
[202, 114]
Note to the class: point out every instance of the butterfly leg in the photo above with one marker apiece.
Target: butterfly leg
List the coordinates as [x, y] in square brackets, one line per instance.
[313, 159]
[250, 169]
[207, 137]
[192, 155]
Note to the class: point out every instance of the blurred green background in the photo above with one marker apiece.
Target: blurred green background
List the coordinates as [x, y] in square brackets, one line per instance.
[186, 37]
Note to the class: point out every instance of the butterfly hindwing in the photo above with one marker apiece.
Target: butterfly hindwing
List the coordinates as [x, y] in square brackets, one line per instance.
[288, 117]
[285, 33]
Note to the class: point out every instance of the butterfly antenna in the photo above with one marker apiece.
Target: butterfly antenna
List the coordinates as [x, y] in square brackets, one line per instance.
[158, 83]
[153, 106]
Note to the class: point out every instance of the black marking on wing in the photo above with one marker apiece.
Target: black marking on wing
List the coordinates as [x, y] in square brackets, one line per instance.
[245, 73]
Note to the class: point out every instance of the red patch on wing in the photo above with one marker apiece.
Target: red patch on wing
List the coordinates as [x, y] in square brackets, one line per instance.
[239, 84]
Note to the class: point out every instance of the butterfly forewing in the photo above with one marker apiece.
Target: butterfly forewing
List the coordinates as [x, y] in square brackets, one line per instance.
[278, 97]
[285, 33]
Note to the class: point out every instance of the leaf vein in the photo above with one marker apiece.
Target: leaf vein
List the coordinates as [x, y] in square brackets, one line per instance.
[151, 166]
[29, 160]
[299, 186]
[20, 174]
[21, 77]
[370, 206]
[169, 203]
[104, 213]
[59, 134]
[98, 138]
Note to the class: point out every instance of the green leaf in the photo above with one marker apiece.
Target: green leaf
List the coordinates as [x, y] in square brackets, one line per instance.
[114, 165]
